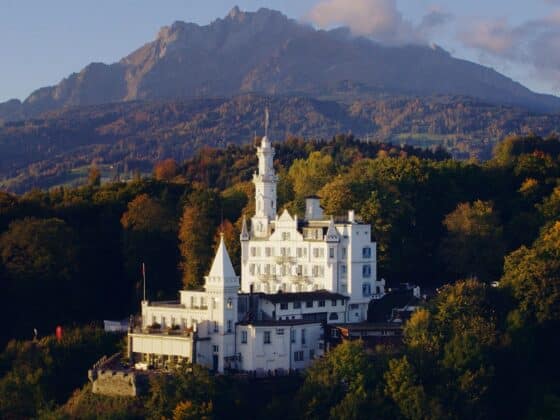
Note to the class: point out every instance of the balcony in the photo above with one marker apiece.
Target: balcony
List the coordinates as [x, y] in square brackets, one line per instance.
[285, 259]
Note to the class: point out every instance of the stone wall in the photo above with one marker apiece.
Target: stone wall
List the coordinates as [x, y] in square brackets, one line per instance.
[107, 379]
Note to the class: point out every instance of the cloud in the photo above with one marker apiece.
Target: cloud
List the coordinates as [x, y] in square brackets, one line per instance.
[535, 42]
[376, 19]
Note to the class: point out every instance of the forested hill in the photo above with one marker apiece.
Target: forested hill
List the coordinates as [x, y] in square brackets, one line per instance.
[123, 138]
[72, 256]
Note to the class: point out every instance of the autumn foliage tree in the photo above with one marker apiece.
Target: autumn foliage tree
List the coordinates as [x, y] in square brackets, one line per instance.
[196, 233]
[474, 243]
[166, 170]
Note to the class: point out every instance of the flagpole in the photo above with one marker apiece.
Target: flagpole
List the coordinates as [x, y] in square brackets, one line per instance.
[144, 276]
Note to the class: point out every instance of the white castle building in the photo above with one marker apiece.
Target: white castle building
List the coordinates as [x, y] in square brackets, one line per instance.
[284, 254]
[297, 275]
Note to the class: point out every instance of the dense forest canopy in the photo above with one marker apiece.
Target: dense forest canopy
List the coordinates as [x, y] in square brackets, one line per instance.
[125, 138]
[72, 256]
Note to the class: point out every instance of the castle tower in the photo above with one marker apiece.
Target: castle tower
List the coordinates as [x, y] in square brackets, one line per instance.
[222, 285]
[265, 190]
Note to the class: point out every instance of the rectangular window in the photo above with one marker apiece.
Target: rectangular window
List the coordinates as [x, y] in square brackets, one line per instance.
[163, 321]
[297, 305]
[253, 251]
[293, 336]
[298, 356]
[284, 306]
[366, 270]
[311, 354]
[266, 337]
[333, 302]
[252, 269]
[216, 329]
[280, 331]
[243, 337]
[303, 336]
[229, 326]
[309, 304]
[343, 270]
[285, 236]
[366, 289]
[321, 304]
[215, 349]
[331, 252]
[344, 252]
[366, 252]
[299, 252]
[268, 251]
[299, 270]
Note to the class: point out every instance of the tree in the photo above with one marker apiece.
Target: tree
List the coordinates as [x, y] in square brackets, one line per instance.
[94, 176]
[150, 238]
[473, 245]
[405, 389]
[188, 392]
[340, 385]
[165, 170]
[308, 176]
[188, 410]
[195, 235]
[532, 275]
[147, 215]
[38, 249]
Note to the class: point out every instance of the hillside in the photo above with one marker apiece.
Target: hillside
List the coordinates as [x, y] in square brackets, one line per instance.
[266, 52]
[126, 137]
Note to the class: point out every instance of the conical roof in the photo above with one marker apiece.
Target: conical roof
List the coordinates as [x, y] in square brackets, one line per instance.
[222, 267]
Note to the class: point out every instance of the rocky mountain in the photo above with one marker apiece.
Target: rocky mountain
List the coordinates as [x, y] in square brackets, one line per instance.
[266, 52]
[125, 137]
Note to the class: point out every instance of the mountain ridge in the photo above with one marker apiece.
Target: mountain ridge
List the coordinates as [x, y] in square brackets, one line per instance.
[266, 52]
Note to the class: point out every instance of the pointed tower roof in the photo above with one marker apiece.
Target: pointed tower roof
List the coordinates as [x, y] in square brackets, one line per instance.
[244, 231]
[222, 267]
[332, 233]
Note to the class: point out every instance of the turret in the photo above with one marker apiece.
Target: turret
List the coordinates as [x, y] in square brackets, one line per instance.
[265, 190]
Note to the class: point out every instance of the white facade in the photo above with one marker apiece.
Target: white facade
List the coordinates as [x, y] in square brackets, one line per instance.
[278, 346]
[282, 253]
[199, 327]
[298, 275]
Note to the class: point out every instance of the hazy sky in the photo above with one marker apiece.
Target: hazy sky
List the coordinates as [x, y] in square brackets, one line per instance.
[42, 41]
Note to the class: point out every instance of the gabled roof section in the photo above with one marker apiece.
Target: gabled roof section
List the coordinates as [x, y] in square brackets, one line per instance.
[285, 216]
[222, 267]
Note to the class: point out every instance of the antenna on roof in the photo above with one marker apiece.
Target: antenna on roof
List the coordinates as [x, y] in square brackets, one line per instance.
[266, 121]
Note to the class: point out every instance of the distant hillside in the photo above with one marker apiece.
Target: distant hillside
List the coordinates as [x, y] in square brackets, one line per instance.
[265, 52]
[125, 137]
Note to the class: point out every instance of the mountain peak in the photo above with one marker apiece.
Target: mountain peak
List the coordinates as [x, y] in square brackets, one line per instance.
[267, 52]
[234, 13]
